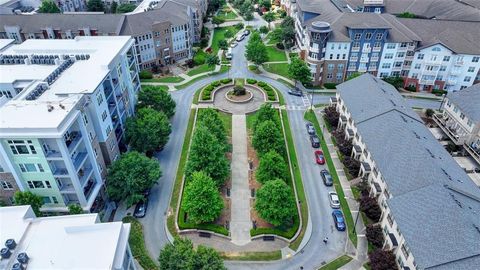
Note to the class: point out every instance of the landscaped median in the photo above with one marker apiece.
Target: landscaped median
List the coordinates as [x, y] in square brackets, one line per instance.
[337, 263]
[310, 116]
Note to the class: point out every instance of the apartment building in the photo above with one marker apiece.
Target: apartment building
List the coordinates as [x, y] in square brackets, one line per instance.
[430, 207]
[67, 116]
[62, 242]
[163, 35]
[337, 41]
[460, 119]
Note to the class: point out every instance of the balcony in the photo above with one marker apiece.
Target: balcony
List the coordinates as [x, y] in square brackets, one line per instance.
[84, 174]
[74, 141]
[70, 199]
[66, 187]
[367, 49]
[79, 159]
[53, 154]
[451, 132]
[474, 150]
[376, 49]
[89, 187]
[353, 59]
[458, 63]
[60, 172]
[355, 49]
[374, 58]
[426, 82]
[364, 59]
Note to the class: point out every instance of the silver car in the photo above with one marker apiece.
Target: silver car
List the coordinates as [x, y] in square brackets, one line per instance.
[334, 201]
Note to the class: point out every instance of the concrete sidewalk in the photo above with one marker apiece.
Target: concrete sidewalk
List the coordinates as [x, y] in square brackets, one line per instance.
[240, 223]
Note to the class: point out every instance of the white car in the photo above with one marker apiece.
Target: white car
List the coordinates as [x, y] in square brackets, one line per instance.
[334, 201]
[233, 44]
[229, 54]
[240, 37]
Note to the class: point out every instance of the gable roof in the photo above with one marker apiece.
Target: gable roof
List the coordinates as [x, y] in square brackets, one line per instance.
[468, 100]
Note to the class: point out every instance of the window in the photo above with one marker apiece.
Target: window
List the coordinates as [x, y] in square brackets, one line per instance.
[19, 147]
[446, 58]
[55, 200]
[47, 183]
[443, 68]
[90, 136]
[386, 65]
[469, 123]
[85, 119]
[391, 45]
[388, 55]
[377, 45]
[330, 67]
[357, 36]
[35, 184]
[379, 36]
[338, 56]
[108, 130]
[390, 220]
[46, 200]
[40, 167]
[471, 69]
[99, 98]
[339, 76]
[6, 185]
[400, 54]
[104, 115]
[414, 75]
[420, 56]
[475, 59]
[344, 56]
[340, 67]
[417, 66]
[329, 75]
[467, 79]
[331, 56]
[112, 144]
[405, 251]
[368, 36]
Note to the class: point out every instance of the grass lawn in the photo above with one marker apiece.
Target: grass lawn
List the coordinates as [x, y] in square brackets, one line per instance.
[298, 181]
[200, 69]
[280, 69]
[271, 41]
[222, 70]
[337, 263]
[227, 14]
[137, 244]
[310, 116]
[219, 34]
[161, 87]
[367, 266]
[254, 256]
[275, 55]
[171, 79]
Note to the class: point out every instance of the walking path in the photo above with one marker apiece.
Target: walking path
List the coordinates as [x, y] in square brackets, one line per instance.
[240, 223]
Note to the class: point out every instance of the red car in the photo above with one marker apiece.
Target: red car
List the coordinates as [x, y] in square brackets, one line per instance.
[319, 157]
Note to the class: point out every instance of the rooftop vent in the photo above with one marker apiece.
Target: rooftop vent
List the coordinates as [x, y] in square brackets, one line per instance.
[50, 108]
[10, 244]
[22, 258]
[17, 266]
[5, 253]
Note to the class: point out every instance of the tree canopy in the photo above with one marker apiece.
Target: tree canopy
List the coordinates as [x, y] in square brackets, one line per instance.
[269, 17]
[148, 131]
[299, 71]
[48, 6]
[288, 31]
[212, 60]
[267, 136]
[125, 8]
[181, 256]
[354, 75]
[266, 112]
[201, 199]
[272, 166]
[275, 203]
[129, 176]
[75, 209]
[217, 20]
[95, 5]
[256, 51]
[156, 98]
[207, 154]
[29, 198]
[209, 118]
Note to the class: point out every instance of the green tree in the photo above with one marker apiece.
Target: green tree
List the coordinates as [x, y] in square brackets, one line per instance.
[125, 8]
[275, 203]
[75, 209]
[407, 15]
[129, 176]
[263, 29]
[298, 70]
[212, 60]
[396, 81]
[177, 256]
[256, 51]
[156, 98]
[201, 198]
[266, 137]
[269, 17]
[29, 198]
[266, 112]
[145, 74]
[113, 7]
[272, 166]
[209, 118]
[217, 20]
[148, 130]
[48, 6]
[208, 259]
[266, 4]
[207, 154]
[95, 5]
[223, 44]
[288, 31]
[228, 33]
[354, 75]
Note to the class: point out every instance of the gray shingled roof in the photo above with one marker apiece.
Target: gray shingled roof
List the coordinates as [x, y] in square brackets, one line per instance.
[468, 100]
[415, 166]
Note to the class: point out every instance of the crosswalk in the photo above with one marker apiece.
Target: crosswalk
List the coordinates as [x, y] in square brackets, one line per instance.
[306, 100]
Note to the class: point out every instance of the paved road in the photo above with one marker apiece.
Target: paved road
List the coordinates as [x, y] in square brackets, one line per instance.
[314, 252]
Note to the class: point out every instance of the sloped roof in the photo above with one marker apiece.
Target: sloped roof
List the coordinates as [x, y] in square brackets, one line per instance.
[468, 100]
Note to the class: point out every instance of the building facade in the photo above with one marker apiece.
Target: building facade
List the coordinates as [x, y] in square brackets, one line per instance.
[63, 129]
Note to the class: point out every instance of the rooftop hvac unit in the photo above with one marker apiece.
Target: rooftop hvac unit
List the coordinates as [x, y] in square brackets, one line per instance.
[17, 266]
[5, 253]
[22, 258]
[10, 244]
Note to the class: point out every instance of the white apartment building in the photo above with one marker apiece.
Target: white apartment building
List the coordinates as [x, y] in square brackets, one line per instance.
[430, 207]
[460, 119]
[62, 242]
[67, 117]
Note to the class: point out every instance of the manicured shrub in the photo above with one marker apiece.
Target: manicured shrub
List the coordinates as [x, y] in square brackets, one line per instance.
[331, 115]
[145, 74]
[374, 235]
[280, 46]
[370, 207]
[382, 259]
[261, 84]
[330, 85]
[239, 90]
[239, 25]
[226, 81]
[251, 81]
[216, 83]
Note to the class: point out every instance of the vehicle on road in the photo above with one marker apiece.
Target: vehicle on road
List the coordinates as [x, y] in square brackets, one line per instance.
[310, 128]
[246, 32]
[233, 44]
[333, 198]
[338, 220]
[327, 178]
[240, 37]
[229, 54]
[141, 209]
[295, 92]
[315, 141]
[319, 157]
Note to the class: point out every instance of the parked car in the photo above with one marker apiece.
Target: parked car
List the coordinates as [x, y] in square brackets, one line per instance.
[327, 178]
[338, 220]
[229, 54]
[319, 157]
[334, 201]
[315, 141]
[233, 44]
[310, 128]
[240, 37]
[141, 209]
[246, 32]
[295, 92]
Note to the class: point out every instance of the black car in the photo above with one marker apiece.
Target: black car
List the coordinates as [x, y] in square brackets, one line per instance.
[315, 141]
[310, 128]
[141, 209]
[295, 92]
[327, 178]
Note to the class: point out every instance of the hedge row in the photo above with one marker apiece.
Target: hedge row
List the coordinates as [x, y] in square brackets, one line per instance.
[207, 91]
[267, 88]
[289, 233]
